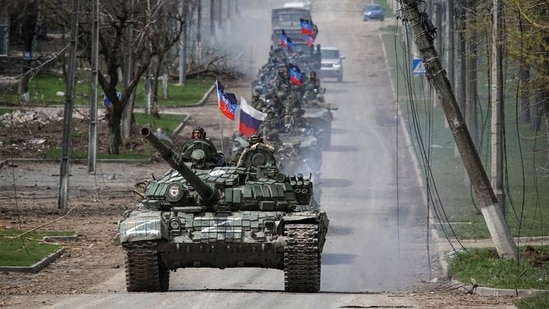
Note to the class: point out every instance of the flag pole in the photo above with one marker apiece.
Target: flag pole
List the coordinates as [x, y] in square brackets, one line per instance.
[219, 115]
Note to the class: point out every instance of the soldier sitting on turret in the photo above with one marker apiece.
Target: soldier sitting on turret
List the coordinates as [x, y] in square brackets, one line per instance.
[255, 143]
[201, 150]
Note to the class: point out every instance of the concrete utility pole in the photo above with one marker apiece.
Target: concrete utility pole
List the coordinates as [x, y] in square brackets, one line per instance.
[423, 31]
[92, 141]
[67, 116]
[497, 106]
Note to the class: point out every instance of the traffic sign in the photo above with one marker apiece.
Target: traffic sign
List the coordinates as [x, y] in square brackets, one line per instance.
[418, 68]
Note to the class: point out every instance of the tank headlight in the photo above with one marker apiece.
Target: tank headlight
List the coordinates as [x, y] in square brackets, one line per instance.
[174, 193]
[175, 224]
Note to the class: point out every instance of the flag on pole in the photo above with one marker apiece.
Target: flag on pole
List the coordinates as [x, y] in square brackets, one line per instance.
[296, 78]
[306, 27]
[226, 101]
[250, 118]
[285, 41]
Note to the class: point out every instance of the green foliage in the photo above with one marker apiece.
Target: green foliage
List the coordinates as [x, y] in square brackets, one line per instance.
[531, 271]
[168, 122]
[27, 249]
[43, 89]
[189, 94]
[538, 301]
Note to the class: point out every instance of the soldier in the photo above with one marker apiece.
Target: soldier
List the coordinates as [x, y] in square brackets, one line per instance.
[257, 103]
[211, 153]
[254, 142]
[282, 80]
[276, 104]
[296, 120]
[312, 82]
[271, 123]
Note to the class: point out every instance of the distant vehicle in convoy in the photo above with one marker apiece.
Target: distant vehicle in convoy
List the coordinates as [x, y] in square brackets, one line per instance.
[289, 18]
[331, 64]
[373, 11]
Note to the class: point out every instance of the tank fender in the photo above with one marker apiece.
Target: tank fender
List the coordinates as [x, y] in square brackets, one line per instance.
[141, 226]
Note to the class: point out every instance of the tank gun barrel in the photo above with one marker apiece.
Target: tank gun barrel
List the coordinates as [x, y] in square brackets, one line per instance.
[207, 193]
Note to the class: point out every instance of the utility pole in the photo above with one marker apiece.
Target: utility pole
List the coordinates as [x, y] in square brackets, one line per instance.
[183, 11]
[451, 43]
[67, 116]
[423, 33]
[213, 23]
[92, 141]
[198, 30]
[497, 105]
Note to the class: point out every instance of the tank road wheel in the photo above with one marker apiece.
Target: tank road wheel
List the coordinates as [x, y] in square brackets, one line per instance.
[301, 258]
[143, 270]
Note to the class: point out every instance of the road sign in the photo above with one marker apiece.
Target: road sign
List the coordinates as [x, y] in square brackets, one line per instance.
[418, 68]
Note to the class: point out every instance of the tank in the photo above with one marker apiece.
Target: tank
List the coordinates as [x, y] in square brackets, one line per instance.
[223, 217]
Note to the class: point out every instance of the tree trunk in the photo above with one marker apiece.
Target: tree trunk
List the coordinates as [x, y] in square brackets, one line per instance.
[114, 119]
[28, 26]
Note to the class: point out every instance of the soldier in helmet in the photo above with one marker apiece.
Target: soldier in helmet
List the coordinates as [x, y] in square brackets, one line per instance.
[257, 102]
[283, 80]
[212, 154]
[254, 142]
[312, 82]
[271, 123]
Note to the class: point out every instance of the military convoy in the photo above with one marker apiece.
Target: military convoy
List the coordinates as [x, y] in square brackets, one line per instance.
[259, 208]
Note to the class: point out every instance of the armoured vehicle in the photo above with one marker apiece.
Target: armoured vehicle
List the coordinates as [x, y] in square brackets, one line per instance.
[228, 216]
[289, 17]
[297, 152]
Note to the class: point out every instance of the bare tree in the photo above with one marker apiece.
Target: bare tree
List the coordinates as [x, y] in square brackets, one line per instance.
[138, 30]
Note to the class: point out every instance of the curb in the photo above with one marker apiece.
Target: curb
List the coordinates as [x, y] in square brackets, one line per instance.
[38, 266]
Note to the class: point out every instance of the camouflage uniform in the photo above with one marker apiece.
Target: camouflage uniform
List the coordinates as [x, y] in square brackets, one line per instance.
[271, 123]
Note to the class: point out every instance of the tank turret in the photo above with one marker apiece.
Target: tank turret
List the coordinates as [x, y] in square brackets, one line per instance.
[208, 194]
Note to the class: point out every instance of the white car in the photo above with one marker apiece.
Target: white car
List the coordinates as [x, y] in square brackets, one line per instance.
[331, 63]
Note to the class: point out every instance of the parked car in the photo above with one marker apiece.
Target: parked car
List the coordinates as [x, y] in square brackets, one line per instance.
[331, 64]
[373, 11]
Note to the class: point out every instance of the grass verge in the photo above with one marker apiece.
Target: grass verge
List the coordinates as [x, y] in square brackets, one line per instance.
[484, 266]
[26, 250]
[47, 89]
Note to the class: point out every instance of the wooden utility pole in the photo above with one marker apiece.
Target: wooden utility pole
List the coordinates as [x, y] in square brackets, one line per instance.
[92, 141]
[67, 117]
[423, 33]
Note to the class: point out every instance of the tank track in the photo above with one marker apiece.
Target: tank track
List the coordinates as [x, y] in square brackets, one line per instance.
[301, 258]
[143, 270]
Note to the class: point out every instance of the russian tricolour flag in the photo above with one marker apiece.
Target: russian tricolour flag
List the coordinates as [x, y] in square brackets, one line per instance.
[250, 118]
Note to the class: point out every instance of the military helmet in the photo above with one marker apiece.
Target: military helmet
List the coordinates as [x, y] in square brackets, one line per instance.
[255, 138]
[201, 131]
